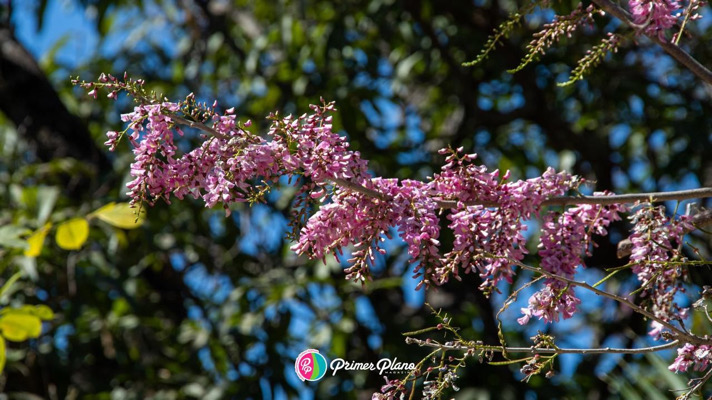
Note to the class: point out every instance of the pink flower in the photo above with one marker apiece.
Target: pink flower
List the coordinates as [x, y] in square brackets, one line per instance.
[564, 240]
[489, 240]
[690, 355]
[113, 137]
[655, 15]
[656, 239]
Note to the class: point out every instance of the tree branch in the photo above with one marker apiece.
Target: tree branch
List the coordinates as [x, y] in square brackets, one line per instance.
[360, 189]
[697, 386]
[678, 333]
[673, 50]
[603, 200]
[28, 99]
[197, 125]
[538, 350]
[554, 201]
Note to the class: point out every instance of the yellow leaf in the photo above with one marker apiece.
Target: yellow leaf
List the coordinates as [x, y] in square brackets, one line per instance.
[43, 312]
[72, 234]
[11, 281]
[17, 326]
[121, 239]
[40, 311]
[2, 354]
[121, 215]
[36, 241]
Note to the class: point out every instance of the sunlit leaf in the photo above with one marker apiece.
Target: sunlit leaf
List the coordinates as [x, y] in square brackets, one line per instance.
[17, 326]
[8, 284]
[72, 234]
[36, 241]
[40, 311]
[43, 312]
[10, 236]
[2, 354]
[120, 215]
[46, 198]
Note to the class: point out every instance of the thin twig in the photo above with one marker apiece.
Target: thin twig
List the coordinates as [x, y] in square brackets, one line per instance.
[539, 350]
[196, 125]
[698, 385]
[359, 188]
[675, 52]
[688, 12]
[675, 331]
[603, 200]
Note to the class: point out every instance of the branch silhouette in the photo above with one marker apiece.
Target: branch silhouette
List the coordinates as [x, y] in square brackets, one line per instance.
[554, 201]
[465, 346]
[672, 49]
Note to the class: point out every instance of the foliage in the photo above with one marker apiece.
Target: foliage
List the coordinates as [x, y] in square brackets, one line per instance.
[650, 17]
[73, 233]
[20, 324]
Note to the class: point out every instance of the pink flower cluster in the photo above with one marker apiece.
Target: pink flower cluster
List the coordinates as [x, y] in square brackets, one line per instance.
[655, 15]
[690, 355]
[353, 218]
[656, 256]
[564, 240]
[228, 165]
[154, 150]
[394, 389]
[488, 239]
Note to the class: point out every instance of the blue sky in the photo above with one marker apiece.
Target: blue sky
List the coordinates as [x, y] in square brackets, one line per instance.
[63, 21]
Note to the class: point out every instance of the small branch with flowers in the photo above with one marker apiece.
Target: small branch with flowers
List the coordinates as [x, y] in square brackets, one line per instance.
[339, 204]
[649, 18]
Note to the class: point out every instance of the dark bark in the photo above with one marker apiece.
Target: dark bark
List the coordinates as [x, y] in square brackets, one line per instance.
[28, 99]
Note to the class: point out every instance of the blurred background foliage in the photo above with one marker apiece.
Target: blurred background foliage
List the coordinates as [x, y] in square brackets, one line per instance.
[196, 305]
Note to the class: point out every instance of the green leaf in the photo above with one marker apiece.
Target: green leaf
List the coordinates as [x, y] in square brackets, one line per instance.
[405, 66]
[46, 199]
[36, 241]
[120, 215]
[10, 236]
[28, 266]
[16, 325]
[72, 234]
[8, 284]
[2, 354]
[667, 378]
